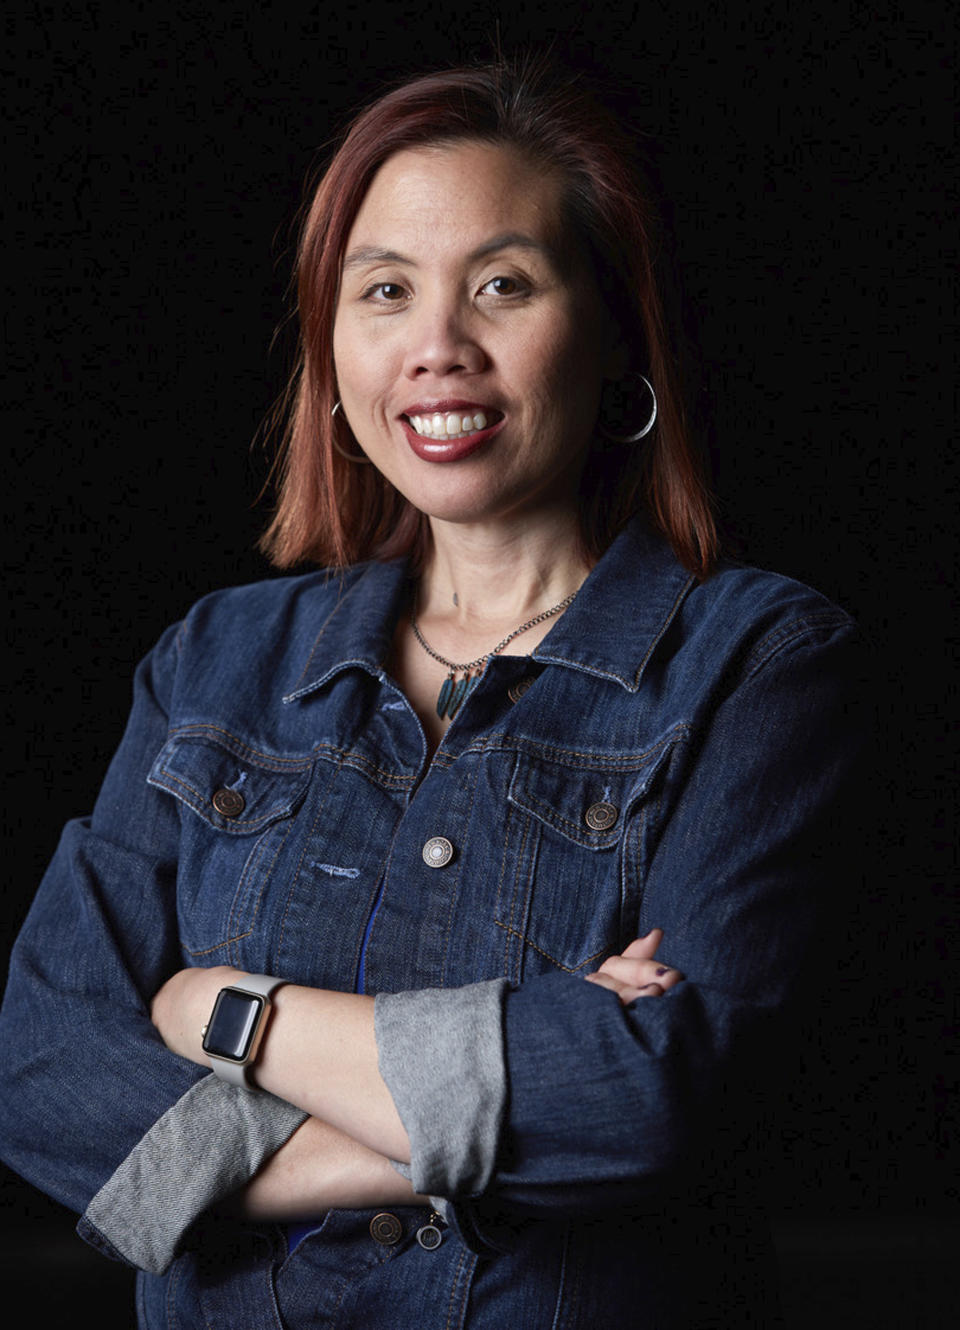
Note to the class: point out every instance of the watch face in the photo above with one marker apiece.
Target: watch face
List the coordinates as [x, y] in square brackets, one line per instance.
[232, 1026]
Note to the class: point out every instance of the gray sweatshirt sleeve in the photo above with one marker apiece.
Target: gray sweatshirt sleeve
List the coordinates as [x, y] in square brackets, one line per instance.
[208, 1144]
[441, 1054]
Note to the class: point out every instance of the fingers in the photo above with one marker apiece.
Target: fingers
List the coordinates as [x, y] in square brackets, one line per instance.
[635, 972]
[645, 948]
[639, 973]
[625, 992]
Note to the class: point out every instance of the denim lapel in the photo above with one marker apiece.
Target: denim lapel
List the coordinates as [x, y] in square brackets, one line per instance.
[623, 609]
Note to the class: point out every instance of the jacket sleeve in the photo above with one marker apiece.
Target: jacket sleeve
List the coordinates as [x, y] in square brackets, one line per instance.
[576, 1102]
[94, 1109]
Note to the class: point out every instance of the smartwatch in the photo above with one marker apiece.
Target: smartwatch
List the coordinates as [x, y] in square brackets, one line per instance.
[232, 1035]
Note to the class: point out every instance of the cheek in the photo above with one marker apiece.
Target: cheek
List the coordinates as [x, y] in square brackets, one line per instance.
[572, 382]
[365, 369]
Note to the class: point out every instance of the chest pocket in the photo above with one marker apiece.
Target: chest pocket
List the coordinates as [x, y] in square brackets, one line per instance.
[571, 881]
[237, 809]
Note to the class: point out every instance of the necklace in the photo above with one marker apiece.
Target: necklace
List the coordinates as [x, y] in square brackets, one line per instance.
[452, 693]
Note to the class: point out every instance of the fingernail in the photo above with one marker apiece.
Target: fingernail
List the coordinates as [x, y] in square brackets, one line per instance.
[663, 969]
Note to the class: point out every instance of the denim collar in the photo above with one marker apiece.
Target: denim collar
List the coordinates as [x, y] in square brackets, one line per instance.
[607, 631]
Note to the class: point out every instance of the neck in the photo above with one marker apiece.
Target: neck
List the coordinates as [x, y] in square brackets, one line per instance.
[482, 579]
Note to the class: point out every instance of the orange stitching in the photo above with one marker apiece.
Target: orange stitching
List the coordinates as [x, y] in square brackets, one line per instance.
[569, 969]
[296, 876]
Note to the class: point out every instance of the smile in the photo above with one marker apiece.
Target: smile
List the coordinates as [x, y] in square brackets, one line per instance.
[449, 425]
[452, 434]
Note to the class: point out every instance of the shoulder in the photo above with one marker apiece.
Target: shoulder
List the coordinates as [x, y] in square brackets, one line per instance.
[261, 609]
[758, 614]
[255, 641]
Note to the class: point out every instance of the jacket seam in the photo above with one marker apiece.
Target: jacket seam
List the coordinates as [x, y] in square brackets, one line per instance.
[784, 636]
[568, 969]
[283, 765]
[296, 876]
[282, 840]
[599, 760]
[454, 894]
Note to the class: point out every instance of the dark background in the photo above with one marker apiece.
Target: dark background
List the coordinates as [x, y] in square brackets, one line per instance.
[158, 159]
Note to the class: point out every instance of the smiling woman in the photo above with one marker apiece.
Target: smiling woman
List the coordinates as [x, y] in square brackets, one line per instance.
[396, 976]
[482, 307]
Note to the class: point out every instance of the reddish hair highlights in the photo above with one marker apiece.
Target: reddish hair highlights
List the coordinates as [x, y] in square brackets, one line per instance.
[333, 511]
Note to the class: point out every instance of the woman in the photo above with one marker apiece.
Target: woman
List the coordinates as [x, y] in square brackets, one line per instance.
[368, 833]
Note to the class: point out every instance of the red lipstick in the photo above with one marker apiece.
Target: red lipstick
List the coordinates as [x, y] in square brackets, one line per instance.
[441, 449]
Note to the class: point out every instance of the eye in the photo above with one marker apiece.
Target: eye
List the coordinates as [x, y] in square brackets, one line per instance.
[387, 293]
[504, 286]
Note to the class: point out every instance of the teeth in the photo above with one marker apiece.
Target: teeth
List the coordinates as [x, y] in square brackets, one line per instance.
[452, 426]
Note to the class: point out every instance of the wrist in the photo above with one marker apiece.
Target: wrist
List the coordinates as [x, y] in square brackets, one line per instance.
[234, 1031]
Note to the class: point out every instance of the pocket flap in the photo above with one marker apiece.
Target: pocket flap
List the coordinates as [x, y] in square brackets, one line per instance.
[203, 770]
[585, 796]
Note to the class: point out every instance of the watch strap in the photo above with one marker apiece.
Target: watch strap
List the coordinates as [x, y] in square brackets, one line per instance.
[263, 984]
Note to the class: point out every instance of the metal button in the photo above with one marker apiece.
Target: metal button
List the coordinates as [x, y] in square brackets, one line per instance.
[601, 816]
[517, 690]
[386, 1229]
[437, 852]
[229, 803]
[429, 1237]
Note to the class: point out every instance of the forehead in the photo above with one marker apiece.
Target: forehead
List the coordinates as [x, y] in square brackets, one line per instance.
[449, 195]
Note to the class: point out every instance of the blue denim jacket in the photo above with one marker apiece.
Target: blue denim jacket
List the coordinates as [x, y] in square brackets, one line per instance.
[589, 1153]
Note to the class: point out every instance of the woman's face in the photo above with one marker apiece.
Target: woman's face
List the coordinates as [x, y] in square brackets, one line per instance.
[470, 340]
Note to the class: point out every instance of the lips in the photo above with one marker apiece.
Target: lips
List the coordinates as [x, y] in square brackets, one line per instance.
[448, 430]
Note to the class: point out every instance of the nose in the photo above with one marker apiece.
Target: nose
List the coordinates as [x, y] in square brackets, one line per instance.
[441, 341]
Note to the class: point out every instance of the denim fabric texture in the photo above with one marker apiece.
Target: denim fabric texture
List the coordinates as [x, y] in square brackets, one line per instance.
[719, 721]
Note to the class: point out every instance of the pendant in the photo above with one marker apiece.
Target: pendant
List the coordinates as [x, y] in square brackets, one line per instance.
[454, 693]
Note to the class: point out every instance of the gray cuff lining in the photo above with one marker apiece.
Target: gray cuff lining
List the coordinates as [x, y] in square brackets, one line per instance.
[210, 1142]
[441, 1054]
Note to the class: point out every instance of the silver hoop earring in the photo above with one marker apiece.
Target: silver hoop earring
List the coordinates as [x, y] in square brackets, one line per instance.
[348, 457]
[641, 433]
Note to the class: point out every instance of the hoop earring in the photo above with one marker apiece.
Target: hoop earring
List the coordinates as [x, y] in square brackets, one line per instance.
[641, 433]
[348, 457]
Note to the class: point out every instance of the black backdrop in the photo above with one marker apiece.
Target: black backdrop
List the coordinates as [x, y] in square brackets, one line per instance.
[158, 156]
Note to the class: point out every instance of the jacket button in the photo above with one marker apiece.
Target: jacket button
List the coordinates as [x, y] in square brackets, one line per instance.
[229, 803]
[386, 1229]
[437, 852]
[600, 817]
[429, 1237]
[517, 690]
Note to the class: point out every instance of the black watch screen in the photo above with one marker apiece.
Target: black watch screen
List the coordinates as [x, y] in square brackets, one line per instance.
[233, 1024]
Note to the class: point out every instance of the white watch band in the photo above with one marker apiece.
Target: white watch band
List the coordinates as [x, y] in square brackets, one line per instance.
[264, 984]
[235, 1073]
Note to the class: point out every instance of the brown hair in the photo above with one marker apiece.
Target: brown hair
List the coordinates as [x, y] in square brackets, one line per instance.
[333, 511]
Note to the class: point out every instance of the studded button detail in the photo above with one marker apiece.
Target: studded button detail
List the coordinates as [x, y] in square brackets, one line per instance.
[517, 690]
[601, 816]
[429, 1237]
[229, 803]
[437, 852]
[386, 1229]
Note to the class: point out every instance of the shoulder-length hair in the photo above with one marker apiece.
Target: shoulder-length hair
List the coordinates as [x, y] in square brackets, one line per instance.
[333, 511]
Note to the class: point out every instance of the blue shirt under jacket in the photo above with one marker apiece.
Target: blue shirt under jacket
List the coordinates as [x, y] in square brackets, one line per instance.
[676, 753]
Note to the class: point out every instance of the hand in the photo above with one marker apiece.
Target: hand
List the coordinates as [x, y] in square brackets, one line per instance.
[635, 973]
[183, 1005]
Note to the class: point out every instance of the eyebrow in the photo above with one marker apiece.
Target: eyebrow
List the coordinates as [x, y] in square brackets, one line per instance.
[358, 258]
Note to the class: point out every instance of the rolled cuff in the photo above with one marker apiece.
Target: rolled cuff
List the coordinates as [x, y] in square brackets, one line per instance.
[441, 1054]
[209, 1143]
